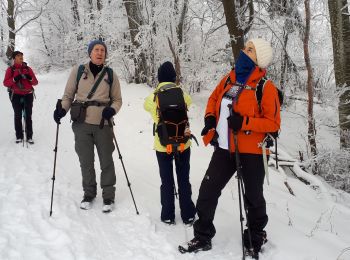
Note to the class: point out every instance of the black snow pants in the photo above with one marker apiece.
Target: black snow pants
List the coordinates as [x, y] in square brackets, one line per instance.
[221, 168]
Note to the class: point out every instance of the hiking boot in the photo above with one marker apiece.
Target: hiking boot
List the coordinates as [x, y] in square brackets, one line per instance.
[258, 239]
[19, 140]
[189, 222]
[252, 253]
[169, 222]
[30, 141]
[195, 245]
[108, 205]
[86, 203]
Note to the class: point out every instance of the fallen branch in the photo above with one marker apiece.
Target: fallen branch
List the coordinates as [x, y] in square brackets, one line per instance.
[304, 99]
[289, 188]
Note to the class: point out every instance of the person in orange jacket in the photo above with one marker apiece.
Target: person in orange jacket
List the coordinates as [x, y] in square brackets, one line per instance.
[20, 79]
[251, 122]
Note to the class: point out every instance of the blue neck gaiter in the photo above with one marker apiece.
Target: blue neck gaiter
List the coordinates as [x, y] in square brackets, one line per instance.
[243, 67]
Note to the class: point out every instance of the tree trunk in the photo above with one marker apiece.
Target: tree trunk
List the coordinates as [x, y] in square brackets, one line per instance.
[340, 27]
[135, 21]
[2, 34]
[310, 87]
[181, 25]
[284, 61]
[176, 62]
[234, 26]
[99, 5]
[152, 78]
[11, 24]
[75, 12]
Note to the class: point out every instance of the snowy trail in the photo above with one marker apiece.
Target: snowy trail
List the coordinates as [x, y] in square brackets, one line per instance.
[307, 226]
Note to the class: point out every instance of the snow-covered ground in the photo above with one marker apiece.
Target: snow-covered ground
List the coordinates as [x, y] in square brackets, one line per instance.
[312, 225]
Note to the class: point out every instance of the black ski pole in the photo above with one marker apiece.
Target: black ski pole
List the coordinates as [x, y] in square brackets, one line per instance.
[121, 159]
[239, 176]
[58, 106]
[240, 191]
[175, 191]
[276, 153]
[24, 125]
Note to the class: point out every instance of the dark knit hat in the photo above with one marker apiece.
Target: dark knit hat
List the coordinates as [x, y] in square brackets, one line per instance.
[166, 72]
[15, 53]
[93, 43]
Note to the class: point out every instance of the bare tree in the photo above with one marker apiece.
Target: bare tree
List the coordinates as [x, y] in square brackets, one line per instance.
[292, 22]
[176, 62]
[1, 32]
[340, 27]
[11, 24]
[310, 86]
[99, 5]
[135, 22]
[12, 13]
[181, 24]
[236, 22]
[75, 11]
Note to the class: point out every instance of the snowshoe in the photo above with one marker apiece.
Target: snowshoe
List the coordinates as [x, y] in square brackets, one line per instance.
[86, 203]
[108, 205]
[19, 140]
[195, 245]
[30, 141]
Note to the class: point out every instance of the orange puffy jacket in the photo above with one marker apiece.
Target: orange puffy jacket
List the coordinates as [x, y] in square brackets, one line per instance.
[255, 120]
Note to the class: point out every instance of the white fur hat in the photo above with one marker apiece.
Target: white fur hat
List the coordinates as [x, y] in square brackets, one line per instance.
[263, 52]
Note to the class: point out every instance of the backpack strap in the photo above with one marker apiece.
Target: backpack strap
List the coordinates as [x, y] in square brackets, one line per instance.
[110, 81]
[110, 76]
[259, 91]
[97, 83]
[228, 80]
[81, 70]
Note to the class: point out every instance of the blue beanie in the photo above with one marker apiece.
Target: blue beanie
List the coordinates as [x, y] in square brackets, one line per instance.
[93, 43]
[166, 72]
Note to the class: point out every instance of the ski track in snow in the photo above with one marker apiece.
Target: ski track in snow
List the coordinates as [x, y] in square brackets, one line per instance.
[307, 227]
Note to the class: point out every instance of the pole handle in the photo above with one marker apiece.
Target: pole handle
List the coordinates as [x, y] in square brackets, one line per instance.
[59, 104]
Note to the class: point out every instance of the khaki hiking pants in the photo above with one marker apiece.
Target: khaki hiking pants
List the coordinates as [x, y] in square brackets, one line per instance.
[86, 137]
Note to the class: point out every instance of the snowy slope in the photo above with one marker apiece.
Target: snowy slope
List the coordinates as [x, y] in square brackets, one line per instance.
[311, 225]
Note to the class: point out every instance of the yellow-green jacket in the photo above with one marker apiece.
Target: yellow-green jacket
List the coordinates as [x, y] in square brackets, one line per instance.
[151, 107]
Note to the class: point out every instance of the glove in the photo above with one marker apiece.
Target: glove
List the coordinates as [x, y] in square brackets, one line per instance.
[108, 112]
[235, 121]
[27, 76]
[58, 114]
[209, 123]
[18, 77]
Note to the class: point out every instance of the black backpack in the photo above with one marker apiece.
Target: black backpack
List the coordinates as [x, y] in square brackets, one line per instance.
[173, 119]
[259, 92]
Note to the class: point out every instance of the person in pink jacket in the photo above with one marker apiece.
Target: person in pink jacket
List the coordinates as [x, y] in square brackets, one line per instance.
[20, 79]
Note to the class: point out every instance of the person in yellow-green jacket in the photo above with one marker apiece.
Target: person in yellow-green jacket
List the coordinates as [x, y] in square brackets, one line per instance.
[180, 154]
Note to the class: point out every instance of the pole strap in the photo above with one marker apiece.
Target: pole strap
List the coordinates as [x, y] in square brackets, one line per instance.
[266, 168]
